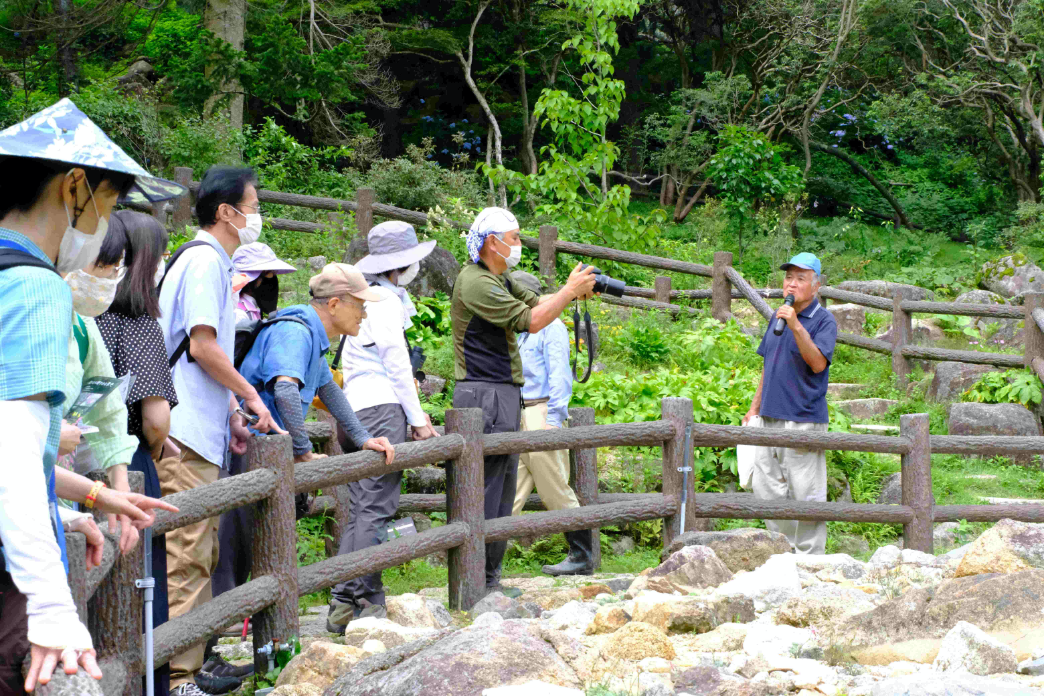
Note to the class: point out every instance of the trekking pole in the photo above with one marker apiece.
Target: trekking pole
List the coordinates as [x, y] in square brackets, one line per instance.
[685, 469]
[148, 583]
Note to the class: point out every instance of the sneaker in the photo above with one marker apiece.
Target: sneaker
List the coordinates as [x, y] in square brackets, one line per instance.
[187, 689]
[209, 683]
[218, 666]
[340, 615]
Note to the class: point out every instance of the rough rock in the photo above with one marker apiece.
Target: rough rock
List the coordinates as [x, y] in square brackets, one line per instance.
[822, 604]
[691, 614]
[711, 681]
[589, 592]
[992, 419]
[595, 339]
[461, 663]
[891, 490]
[316, 263]
[575, 615]
[866, 408]
[618, 584]
[727, 637]
[432, 385]
[944, 535]
[739, 549]
[320, 664]
[637, 641]
[413, 610]
[297, 690]
[1006, 547]
[622, 546]
[388, 632]
[774, 642]
[887, 557]
[426, 479]
[838, 563]
[1032, 667]
[552, 598]
[967, 648]
[373, 647]
[850, 317]
[947, 685]
[497, 603]
[998, 330]
[843, 390]
[922, 332]
[1012, 275]
[951, 379]
[608, 619]
[532, 687]
[692, 566]
[882, 288]
[770, 585]
[490, 618]
[852, 545]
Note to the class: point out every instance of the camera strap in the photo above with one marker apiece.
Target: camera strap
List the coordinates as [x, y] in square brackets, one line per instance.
[576, 338]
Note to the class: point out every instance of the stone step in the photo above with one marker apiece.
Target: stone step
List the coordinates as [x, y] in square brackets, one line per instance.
[865, 408]
[1011, 501]
[842, 390]
[874, 428]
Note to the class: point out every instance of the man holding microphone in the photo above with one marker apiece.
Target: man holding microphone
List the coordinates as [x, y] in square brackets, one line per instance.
[792, 396]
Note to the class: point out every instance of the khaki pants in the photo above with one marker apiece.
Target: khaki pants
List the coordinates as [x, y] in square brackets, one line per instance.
[192, 553]
[548, 471]
[783, 473]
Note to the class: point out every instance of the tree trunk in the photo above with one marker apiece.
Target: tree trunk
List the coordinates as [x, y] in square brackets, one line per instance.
[529, 123]
[860, 169]
[67, 81]
[226, 19]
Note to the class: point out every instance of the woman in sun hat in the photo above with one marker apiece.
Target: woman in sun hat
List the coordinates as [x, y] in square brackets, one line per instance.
[380, 386]
[255, 279]
[60, 177]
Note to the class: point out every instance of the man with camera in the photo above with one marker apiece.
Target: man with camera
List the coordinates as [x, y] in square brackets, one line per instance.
[797, 348]
[487, 311]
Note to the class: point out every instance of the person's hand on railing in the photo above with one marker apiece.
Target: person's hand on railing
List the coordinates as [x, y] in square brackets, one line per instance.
[265, 422]
[240, 434]
[44, 660]
[425, 431]
[307, 457]
[139, 508]
[95, 539]
[381, 444]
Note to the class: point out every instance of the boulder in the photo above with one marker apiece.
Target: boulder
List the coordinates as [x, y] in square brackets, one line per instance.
[552, 598]
[769, 586]
[461, 663]
[739, 549]
[947, 685]
[432, 385]
[691, 567]
[992, 419]
[1012, 275]
[850, 317]
[691, 614]
[589, 592]
[297, 690]
[891, 490]
[498, 603]
[316, 263]
[532, 687]
[637, 641]
[728, 637]
[775, 642]
[839, 564]
[923, 332]
[866, 408]
[967, 648]
[415, 611]
[823, 604]
[952, 379]
[844, 390]
[438, 270]
[883, 288]
[1006, 547]
[886, 557]
[575, 615]
[425, 479]
[607, 619]
[388, 632]
[320, 664]
[488, 619]
[711, 681]
[1032, 667]
[622, 546]
[852, 545]
[998, 330]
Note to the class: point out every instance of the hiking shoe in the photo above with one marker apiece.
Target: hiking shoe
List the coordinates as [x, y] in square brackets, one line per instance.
[340, 615]
[187, 689]
[209, 683]
[367, 609]
[220, 667]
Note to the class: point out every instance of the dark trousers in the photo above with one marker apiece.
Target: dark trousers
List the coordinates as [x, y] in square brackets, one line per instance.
[235, 537]
[501, 406]
[142, 461]
[14, 636]
[374, 502]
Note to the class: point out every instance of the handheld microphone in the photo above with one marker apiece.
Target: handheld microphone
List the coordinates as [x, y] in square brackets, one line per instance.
[778, 330]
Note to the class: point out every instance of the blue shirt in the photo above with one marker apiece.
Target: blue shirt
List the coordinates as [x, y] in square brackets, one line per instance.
[791, 390]
[545, 366]
[198, 291]
[290, 350]
[35, 328]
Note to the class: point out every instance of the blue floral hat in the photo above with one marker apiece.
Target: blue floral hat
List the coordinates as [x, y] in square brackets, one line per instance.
[63, 133]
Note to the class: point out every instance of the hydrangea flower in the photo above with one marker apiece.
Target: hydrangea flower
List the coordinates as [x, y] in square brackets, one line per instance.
[422, 101]
[467, 146]
[464, 120]
[445, 151]
[453, 125]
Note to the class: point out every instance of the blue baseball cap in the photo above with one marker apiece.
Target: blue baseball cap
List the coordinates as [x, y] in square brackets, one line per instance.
[804, 260]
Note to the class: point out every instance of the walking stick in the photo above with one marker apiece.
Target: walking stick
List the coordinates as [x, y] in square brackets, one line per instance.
[148, 583]
[687, 460]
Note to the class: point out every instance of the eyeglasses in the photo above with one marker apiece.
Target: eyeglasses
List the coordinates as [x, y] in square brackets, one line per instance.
[256, 208]
[112, 272]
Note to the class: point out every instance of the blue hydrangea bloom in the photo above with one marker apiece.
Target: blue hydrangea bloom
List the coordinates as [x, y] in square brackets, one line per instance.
[445, 151]
[453, 125]
[467, 146]
[422, 101]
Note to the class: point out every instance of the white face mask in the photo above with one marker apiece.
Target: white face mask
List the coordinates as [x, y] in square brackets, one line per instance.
[92, 295]
[407, 276]
[77, 249]
[513, 257]
[250, 233]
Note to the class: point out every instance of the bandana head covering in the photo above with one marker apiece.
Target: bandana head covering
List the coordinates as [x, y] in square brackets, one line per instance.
[489, 221]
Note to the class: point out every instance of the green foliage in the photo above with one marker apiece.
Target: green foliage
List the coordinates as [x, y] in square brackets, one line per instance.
[644, 341]
[432, 325]
[1009, 387]
[546, 550]
[311, 540]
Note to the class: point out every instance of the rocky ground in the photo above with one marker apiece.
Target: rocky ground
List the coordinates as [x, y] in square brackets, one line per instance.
[725, 614]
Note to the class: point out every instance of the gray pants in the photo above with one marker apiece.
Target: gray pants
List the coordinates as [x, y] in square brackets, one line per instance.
[374, 502]
[783, 473]
[501, 406]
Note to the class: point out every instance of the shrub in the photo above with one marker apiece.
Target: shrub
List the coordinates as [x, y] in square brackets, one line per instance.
[1010, 387]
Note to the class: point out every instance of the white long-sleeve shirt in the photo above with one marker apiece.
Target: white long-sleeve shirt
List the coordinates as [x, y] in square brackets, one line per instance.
[376, 364]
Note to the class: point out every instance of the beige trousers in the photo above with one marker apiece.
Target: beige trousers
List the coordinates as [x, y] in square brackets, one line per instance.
[192, 553]
[783, 473]
[548, 471]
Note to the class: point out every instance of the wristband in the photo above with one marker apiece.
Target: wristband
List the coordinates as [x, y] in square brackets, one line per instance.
[92, 495]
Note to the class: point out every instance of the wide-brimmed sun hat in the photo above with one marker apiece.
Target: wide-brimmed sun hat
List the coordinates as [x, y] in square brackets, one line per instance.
[392, 245]
[63, 133]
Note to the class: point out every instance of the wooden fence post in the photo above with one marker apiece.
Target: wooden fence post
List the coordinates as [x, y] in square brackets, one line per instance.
[183, 204]
[902, 328]
[465, 498]
[1034, 336]
[721, 291]
[585, 476]
[663, 289]
[337, 522]
[548, 256]
[364, 199]
[917, 482]
[275, 544]
[115, 612]
[159, 211]
[679, 412]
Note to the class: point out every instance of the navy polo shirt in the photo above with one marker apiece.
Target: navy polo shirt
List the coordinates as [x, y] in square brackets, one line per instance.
[791, 390]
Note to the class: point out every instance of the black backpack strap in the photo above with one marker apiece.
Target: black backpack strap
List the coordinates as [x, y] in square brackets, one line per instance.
[337, 355]
[184, 345]
[241, 354]
[12, 258]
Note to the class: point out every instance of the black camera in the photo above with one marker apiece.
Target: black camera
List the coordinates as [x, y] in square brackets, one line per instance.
[417, 359]
[604, 283]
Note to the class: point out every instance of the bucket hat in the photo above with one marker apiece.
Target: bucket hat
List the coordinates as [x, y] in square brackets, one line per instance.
[393, 244]
[251, 260]
[63, 133]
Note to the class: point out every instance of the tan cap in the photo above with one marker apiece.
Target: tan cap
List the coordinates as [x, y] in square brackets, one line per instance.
[340, 279]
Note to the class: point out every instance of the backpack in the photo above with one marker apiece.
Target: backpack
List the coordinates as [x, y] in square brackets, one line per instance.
[13, 255]
[247, 332]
